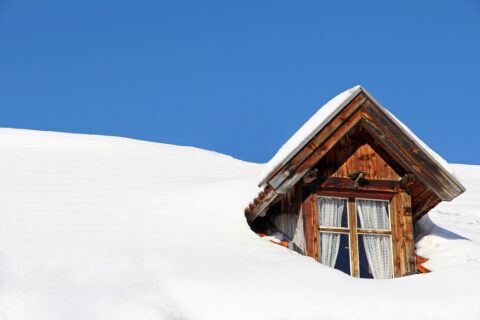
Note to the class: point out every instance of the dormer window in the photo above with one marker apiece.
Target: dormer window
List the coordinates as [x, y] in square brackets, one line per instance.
[348, 187]
[355, 236]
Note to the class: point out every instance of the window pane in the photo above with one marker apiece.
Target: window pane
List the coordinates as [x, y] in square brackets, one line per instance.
[373, 214]
[375, 256]
[335, 251]
[332, 212]
[365, 271]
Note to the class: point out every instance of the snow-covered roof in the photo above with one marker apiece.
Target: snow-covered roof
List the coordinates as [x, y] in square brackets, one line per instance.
[321, 118]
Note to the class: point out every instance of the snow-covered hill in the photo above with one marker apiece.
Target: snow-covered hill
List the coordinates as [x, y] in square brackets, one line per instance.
[98, 227]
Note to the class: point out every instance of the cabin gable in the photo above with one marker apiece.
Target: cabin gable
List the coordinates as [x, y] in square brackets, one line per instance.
[368, 177]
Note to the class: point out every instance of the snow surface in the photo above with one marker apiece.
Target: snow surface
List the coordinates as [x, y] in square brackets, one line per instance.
[326, 113]
[98, 227]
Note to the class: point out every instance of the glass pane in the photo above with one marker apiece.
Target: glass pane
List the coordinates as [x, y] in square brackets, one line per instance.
[365, 271]
[373, 214]
[332, 212]
[335, 250]
[375, 256]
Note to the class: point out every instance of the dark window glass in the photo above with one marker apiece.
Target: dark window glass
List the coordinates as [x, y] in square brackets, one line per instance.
[365, 271]
[343, 258]
[329, 256]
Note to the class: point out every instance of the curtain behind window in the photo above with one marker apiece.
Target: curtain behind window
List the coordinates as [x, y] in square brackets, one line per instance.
[330, 211]
[374, 215]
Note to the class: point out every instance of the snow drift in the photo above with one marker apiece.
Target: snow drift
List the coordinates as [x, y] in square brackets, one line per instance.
[98, 227]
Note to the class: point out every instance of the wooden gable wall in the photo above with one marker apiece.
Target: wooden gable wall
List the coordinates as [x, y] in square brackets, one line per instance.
[354, 153]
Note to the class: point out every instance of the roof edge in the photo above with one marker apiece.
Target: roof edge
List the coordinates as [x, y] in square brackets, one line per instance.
[353, 92]
[434, 156]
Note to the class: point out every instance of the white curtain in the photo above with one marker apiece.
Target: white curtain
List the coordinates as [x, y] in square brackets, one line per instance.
[330, 211]
[299, 237]
[374, 215]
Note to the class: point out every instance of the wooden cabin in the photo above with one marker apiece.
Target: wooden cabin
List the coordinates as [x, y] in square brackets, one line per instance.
[349, 186]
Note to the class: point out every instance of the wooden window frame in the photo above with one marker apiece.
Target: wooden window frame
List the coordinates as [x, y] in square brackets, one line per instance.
[353, 231]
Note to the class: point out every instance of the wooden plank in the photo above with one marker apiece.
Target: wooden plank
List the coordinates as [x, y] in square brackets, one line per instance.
[309, 226]
[397, 237]
[352, 220]
[407, 228]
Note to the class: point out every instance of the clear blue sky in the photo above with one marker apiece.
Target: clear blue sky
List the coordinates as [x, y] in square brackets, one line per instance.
[238, 77]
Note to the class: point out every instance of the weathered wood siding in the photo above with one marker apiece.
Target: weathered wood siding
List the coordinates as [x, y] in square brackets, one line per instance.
[353, 153]
[368, 160]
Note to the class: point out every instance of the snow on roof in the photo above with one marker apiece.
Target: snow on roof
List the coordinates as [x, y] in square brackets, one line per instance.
[321, 118]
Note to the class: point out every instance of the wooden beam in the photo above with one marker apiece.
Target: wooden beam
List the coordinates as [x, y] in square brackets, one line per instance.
[407, 181]
[363, 184]
[425, 202]
[257, 209]
[346, 193]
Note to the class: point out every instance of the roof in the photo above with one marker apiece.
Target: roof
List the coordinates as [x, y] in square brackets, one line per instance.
[351, 108]
[318, 121]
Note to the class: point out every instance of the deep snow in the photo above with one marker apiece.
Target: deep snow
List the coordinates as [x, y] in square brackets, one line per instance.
[96, 227]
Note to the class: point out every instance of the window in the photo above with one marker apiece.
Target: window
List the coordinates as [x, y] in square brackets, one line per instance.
[355, 236]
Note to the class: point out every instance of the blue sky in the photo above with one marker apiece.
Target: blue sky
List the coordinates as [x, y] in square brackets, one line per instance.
[238, 77]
